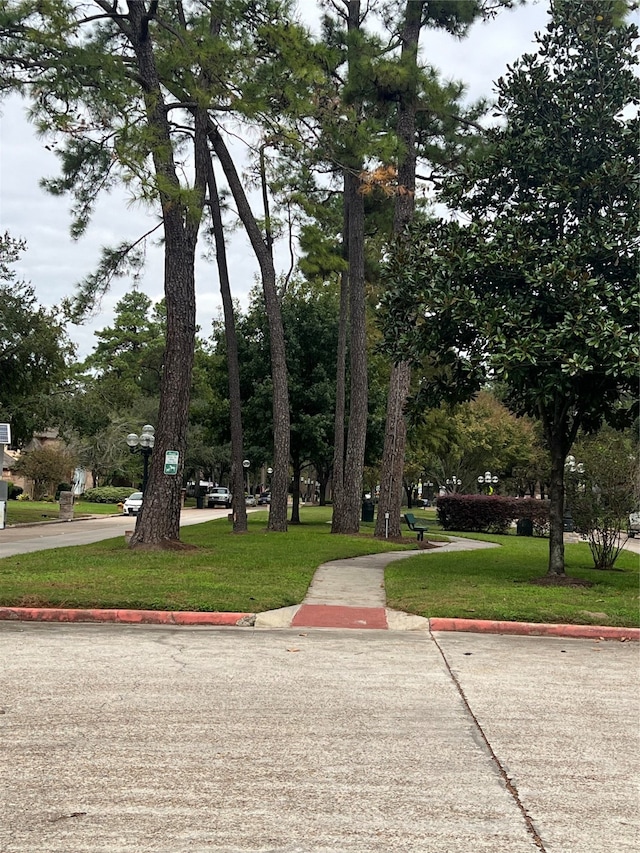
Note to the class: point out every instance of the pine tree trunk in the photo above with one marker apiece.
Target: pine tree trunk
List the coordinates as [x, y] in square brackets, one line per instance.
[348, 487]
[392, 468]
[395, 439]
[279, 376]
[337, 488]
[346, 511]
[158, 524]
[233, 366]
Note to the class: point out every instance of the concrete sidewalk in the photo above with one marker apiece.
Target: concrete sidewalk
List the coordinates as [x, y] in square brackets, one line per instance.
[350, 594]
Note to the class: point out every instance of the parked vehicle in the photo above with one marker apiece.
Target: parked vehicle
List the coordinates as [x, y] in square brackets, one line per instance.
[264, 498]
[219, 496]
[250, 500]
[133, 504]
[634, 524]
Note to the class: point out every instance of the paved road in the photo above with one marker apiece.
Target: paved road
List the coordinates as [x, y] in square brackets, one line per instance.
[184, 740]
[26, 538]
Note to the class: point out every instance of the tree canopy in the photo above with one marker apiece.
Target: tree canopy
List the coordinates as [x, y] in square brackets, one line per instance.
[533, 279]
[34, 349]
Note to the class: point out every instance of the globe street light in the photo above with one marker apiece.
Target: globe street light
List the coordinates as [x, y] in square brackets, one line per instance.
[246, 464]
[143, 443]
[452, 484]
[573, 472]
[489, 480]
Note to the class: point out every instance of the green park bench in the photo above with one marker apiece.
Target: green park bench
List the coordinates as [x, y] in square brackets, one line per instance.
[418, 529]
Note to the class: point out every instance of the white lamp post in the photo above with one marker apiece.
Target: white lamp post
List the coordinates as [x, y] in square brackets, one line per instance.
[246, 464]
[143, 443]
[487, 479]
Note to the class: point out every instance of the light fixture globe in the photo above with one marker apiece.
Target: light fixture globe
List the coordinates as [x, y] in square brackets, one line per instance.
[132, 439]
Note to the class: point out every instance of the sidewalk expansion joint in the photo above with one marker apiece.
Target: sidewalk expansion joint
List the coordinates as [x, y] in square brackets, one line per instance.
[508, 783]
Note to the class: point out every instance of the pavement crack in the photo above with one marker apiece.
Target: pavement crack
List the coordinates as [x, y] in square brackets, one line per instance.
[508, 783]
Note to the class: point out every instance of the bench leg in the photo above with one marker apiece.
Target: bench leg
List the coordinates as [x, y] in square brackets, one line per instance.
[420, 535]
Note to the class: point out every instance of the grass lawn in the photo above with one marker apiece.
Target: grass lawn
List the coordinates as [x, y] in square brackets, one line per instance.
[497, 584]
[263, 571]
[246, 573]
[25, 512]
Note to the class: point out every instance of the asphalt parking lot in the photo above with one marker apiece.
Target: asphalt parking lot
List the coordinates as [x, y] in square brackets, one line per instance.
[147, 738]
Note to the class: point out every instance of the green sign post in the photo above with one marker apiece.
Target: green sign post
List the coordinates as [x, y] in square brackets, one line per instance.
[171, 462]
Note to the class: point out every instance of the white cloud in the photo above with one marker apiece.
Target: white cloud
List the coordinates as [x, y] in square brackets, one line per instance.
[54, 263]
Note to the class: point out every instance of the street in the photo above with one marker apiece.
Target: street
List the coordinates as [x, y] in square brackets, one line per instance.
[23, 539]
[179, 740]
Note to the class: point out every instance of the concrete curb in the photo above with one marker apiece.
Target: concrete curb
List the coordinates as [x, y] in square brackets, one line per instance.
[285, 618]
[130, 617]
[534, 629]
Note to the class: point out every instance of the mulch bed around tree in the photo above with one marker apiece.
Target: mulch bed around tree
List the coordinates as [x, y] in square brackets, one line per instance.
[560, 580]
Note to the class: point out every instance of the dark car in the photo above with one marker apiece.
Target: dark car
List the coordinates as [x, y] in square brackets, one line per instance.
[264, 498]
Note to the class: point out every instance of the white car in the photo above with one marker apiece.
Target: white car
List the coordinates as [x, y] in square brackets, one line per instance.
[219, 496]
[133, 504]
[634, 524]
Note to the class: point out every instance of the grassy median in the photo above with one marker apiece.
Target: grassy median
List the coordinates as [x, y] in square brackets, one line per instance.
[29, 512]
[263, 571]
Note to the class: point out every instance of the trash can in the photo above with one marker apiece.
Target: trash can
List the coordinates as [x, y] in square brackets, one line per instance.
[200, 502]
[524, 527]
[368, 508]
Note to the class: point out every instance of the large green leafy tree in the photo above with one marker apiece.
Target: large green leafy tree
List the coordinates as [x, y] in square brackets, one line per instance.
[130, 353]
[535, 281]
[117, 389]
[34, 350]
[463, 441]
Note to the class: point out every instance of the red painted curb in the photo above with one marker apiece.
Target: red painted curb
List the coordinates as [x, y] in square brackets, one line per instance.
[534, 629]
[339, 616]
[131, 617]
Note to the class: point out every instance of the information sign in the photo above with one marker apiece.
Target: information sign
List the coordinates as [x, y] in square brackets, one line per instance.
[171, 462]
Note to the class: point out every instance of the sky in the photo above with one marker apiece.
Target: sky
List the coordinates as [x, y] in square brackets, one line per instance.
[53, 263]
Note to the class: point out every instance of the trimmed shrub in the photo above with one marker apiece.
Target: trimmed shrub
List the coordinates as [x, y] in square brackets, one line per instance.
[490, 513]
[63, 487]
[108, 494]
[14, 491]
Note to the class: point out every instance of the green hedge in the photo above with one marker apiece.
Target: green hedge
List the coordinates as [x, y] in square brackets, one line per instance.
[108, 494]
[490, 513]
